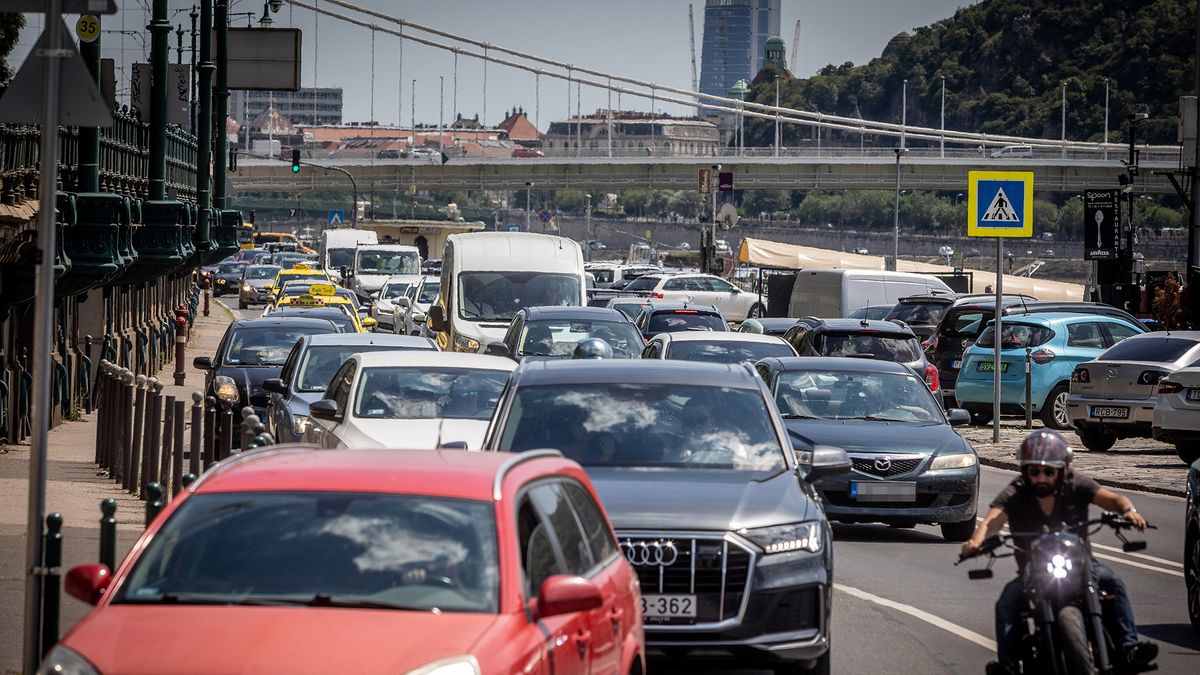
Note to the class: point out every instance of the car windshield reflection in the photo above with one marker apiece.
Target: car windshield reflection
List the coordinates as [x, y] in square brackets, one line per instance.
[428, 393]
[839, 395]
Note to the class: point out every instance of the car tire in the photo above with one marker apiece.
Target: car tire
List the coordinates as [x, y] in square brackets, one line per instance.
[958, 531]
[1191, 576]
[1188, 453]
[1054, 410]
[980, 418]
[756, 311]
[1095, 440]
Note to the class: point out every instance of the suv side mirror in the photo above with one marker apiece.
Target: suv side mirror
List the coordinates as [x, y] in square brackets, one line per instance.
[827, 461]
[437, 320]
[202, 363]
[325, 409]
[958, 417]
[496, 349]
[567, 594]
[275, 385]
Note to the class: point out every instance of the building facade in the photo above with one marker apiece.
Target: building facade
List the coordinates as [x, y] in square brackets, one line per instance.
[632, 133]
[306, 107]
[735, 39]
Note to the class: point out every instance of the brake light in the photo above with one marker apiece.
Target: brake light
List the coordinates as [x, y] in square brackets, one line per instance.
[685, 311]
[1150, 376]
[1169, 387]
[657, 294]
[931, 377]
[1043, 356]
[1081, 375]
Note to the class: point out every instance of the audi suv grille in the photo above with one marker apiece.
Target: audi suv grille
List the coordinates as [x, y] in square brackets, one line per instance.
[714, 569]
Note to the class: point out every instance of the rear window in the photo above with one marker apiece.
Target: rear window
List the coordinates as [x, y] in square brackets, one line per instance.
[642, 284]
[603, 276]
[1016, 335]
[918, 313]
[965, 323]
[727, 352]
[1158, 349]
[898, 348]
[666, 322]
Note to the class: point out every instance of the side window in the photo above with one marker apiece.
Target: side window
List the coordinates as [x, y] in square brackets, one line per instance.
[339, 389]
[510, 338]
[651, 351]
[538, 560]
[719, 285]
[694, 284]
[1085, 334]
[551, 501]
[289, 366]
[1118, 331]
[674, 285]
[599, 535]
[764, 372]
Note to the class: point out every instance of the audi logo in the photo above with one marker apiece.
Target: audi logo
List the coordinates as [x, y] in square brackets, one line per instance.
[883, 463]
[643, 553]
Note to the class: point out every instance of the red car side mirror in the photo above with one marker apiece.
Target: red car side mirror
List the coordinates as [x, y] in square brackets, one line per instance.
[88, 582]
[565, 594]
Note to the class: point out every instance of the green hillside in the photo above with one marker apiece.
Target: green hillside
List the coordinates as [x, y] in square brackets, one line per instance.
[1005, 62]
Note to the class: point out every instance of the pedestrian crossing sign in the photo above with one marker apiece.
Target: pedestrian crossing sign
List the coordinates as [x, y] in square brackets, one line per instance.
[1000, 204]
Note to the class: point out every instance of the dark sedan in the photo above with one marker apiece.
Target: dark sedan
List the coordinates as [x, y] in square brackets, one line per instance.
[227, 278]
[252, 351]
[553, 332]
[711, 506]
[310, 367]
[909, 464]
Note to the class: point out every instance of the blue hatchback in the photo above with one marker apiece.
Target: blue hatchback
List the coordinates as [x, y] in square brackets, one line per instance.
[1060, 341]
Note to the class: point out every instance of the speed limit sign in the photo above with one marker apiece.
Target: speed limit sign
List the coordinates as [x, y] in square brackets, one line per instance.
[88, 28]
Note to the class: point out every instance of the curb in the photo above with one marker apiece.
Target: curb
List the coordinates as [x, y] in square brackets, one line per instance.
[1120, 485]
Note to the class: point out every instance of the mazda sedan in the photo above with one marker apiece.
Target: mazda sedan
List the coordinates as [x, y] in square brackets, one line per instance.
[294, 560]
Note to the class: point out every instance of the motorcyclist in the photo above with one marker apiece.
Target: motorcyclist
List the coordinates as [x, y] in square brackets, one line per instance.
[1049, 494]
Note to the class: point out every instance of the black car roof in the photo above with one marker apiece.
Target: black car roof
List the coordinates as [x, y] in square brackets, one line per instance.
[621, 371]
[836, 363]
[675, 306]
[556, 312]
[938, 299]
[860, 325]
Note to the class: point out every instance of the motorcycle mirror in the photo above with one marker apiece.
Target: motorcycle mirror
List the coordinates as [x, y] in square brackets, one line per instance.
[985, 573]
[1131, 546]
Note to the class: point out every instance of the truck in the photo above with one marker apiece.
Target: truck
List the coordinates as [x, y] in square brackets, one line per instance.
[337, 247]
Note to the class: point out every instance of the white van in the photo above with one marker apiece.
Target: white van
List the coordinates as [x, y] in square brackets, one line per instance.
[1013, 152]
[834, 294]
[373, 264]
[488, 276]
[337, 247]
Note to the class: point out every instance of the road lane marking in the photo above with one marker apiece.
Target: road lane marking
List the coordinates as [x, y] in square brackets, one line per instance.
[932, 619]
[1134, 563]
[1143, 556]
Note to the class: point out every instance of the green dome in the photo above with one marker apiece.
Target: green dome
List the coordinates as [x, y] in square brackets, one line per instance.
[739, 90]
[775, 41]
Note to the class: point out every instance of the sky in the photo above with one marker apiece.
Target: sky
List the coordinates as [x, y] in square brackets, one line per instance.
[645, 39]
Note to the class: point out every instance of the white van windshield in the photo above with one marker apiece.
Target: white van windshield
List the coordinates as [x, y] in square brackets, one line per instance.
[496, 296]
[388, 262]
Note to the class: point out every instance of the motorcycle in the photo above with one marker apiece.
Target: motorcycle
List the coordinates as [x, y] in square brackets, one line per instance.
[1064, 610]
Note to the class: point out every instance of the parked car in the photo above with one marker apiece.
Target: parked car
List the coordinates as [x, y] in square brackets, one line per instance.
[666, 317]
[1177, 412]
[1059, 340]
[428, 400]
[697, 473]
[1114, 396]
[527, 152]
[384, 307]
[309, 369]
[701, 289]
[250, 352]
[296, 560]
[881, 340]
[921, 313]
[255, 287]
[767, 325]
[716, 348]
[553, 332]
[910, 466]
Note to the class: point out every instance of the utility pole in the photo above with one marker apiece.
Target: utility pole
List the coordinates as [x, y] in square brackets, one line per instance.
[587, 228]
[776, 126]
[943, 140]
[89, 137]
[1064, 120]
[204, 123]
[896, 214]
[221, 103]
[903, 118]
[441, 110]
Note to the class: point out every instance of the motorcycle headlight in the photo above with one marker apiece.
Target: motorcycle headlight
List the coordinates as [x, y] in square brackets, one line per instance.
[226, 390]
[64, 661]
[784, 538]
[962, 460]
[463, 343]
[299, 424]
[247, 287]
[458, 665]
[1058, 566]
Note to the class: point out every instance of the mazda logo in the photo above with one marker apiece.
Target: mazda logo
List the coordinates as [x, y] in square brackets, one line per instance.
[642, 553]
[883, 463]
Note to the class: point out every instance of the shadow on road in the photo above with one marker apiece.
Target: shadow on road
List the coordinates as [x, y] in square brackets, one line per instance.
[882, 534]
[1176, 634]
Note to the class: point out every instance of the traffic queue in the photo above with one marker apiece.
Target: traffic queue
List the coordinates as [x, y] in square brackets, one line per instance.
[516, 471]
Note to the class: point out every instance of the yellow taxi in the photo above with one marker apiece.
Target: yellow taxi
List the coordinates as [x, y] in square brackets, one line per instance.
[324, 296]
[298, 271]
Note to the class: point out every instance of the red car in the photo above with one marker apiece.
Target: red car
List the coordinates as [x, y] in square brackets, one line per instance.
[293, 560]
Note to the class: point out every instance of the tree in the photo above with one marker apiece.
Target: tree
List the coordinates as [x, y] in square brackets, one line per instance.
[755, 202]
[10, 30]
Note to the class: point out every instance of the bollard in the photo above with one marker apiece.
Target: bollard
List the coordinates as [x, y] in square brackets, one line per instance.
[167, 445]
[137, 431]
[188, 479]
[96, 404]
[1028, 388]
[153, 426]
[263, 439]
[154, 503]
[247, 413]
[108, 533]
[108, 410]
[210, 427]
[179, 415]
[196, 446]
[207, 286]
[128, 460]
[181, 338]
[51, 588]
[226, 428]
[87, 395]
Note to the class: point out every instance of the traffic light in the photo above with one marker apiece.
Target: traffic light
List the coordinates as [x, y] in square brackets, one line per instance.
[295, 160]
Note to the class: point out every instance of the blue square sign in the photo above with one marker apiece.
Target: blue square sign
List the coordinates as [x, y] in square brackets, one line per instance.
[1000, 204]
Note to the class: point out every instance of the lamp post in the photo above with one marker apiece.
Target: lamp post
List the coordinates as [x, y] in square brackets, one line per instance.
[896, 215]
[1132, 168]
[776, 123]
[587, 210]
[1064, 120]
[943, 140]
[528, 188]
[1106, 118]
[441, 109]
[903, 126]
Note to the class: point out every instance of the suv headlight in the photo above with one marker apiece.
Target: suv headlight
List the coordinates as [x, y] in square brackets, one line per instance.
[247, 287]
[457, 665]
[784, 538]
[226, 389]
[463, 343]
[962, 460]
[64, 661]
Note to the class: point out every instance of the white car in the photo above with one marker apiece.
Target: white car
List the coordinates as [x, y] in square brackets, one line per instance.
[391, 399]
[716, 347]
[1177, 412]
[384, 307]
[701, 289]
[411, 319]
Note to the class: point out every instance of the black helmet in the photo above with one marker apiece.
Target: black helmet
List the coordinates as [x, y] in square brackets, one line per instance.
[592, 348]
[1045, 448]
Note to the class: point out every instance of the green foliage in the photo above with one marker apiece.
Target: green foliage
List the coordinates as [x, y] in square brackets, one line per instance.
[755, 202]
[10, 30]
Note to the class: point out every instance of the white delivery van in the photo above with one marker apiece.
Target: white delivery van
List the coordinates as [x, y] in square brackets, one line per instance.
[488, 276]
[337, 248]
[833, 294]
[373, 264]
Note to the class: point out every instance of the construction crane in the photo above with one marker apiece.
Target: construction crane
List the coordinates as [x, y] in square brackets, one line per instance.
[795, 47]
[692, 32]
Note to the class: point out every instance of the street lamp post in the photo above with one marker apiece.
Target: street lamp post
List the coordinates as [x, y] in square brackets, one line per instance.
[776, 121]
[528, 188]
[896, 214]
[943, 141]
[441, 110]
[1106, 118]
[587, 209]
[903, 124]
[1064, 120]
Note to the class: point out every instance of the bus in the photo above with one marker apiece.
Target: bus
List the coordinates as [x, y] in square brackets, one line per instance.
[245, 236]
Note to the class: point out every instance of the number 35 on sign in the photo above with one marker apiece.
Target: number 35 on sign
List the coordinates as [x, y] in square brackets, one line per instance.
[87, 28]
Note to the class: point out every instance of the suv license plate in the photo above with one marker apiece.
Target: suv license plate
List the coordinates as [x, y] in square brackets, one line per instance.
[883, 491]
[990, 367]
[668, 606]
[1120, 412]
[1193, 394]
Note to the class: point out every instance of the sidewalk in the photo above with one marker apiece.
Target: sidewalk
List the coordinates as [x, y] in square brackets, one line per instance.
[75, 488]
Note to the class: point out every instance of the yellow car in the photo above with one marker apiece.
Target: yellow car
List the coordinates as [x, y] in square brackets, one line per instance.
[324, 297]
[298, 271]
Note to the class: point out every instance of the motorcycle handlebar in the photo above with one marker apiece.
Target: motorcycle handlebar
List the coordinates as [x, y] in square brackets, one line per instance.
[1108, 518]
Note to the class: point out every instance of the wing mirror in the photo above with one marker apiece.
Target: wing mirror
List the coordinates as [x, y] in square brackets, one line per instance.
[275, 385]
[827, 461]
[202, 363]
[88, 582]
[496, 349]
[369, 322]
[566, 594]
[325, 409]
[958, 417]
[401, 302]
[437, 319]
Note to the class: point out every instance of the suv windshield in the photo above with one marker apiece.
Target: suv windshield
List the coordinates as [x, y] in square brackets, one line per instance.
[428, 393]
[733, 351]
[320, 363]
[262, 271]
[254, 347]
[558, 337]
[1015, 335]
[683, 319]
[340, 257]
[898, 348]
[372, 261]
[836, 394]
[604, 275]
[647, 425]
[341, 549]
[918, 313]
[1155, 349]
[496, 296]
